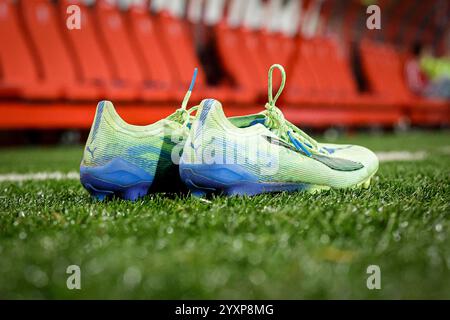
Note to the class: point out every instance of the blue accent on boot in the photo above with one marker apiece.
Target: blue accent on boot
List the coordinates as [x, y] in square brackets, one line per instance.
[230, 179]
[118, 177]
[205, 110]
[98, 117]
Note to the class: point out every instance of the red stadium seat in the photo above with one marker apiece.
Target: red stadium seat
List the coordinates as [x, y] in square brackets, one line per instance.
[87, 53]
[322, 76]
[124, 60]
[384, 70]
[320, 73]
[276, 48]
[136, 57]
[257, 54]
[333, 69]
[172, 30]
[148, 45]
[56, 65]
[304, 83]
[237, 63]
[19, 75]
[279, 48]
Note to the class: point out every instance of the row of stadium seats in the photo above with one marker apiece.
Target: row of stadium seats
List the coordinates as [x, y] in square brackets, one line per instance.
[131, 55]
[46, 60]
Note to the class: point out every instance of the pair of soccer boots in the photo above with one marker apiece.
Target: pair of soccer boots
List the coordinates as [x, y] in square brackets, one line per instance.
[211, 153]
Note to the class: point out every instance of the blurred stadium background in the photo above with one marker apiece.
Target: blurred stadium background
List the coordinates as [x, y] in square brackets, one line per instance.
[140, 54]
[341, 77]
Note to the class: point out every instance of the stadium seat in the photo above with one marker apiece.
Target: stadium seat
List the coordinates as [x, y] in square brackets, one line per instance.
[137, 57]
[57, 67]
[322, 91]
[148, 46]
[237, 63]
[19, 75]
[257, 53]
[124, 59]
[304, 81]
[384, 71]
[273, 47]
[279, 48]
[172, 30]
[90, 59]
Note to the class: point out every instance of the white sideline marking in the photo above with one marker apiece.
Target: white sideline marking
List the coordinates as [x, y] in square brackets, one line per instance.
[57, 175]
[383, 156]
[401, 156]
[445, 150]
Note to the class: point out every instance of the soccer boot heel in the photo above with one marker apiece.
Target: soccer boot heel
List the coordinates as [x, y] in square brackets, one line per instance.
[118, 178]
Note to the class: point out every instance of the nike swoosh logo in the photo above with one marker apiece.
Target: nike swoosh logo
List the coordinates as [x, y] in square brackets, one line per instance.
[338, 164]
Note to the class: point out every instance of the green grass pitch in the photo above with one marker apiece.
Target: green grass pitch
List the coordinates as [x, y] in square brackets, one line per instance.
[270, 246]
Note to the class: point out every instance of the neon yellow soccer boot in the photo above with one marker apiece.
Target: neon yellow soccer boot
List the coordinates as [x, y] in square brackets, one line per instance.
[128, 161]
[264, 152]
